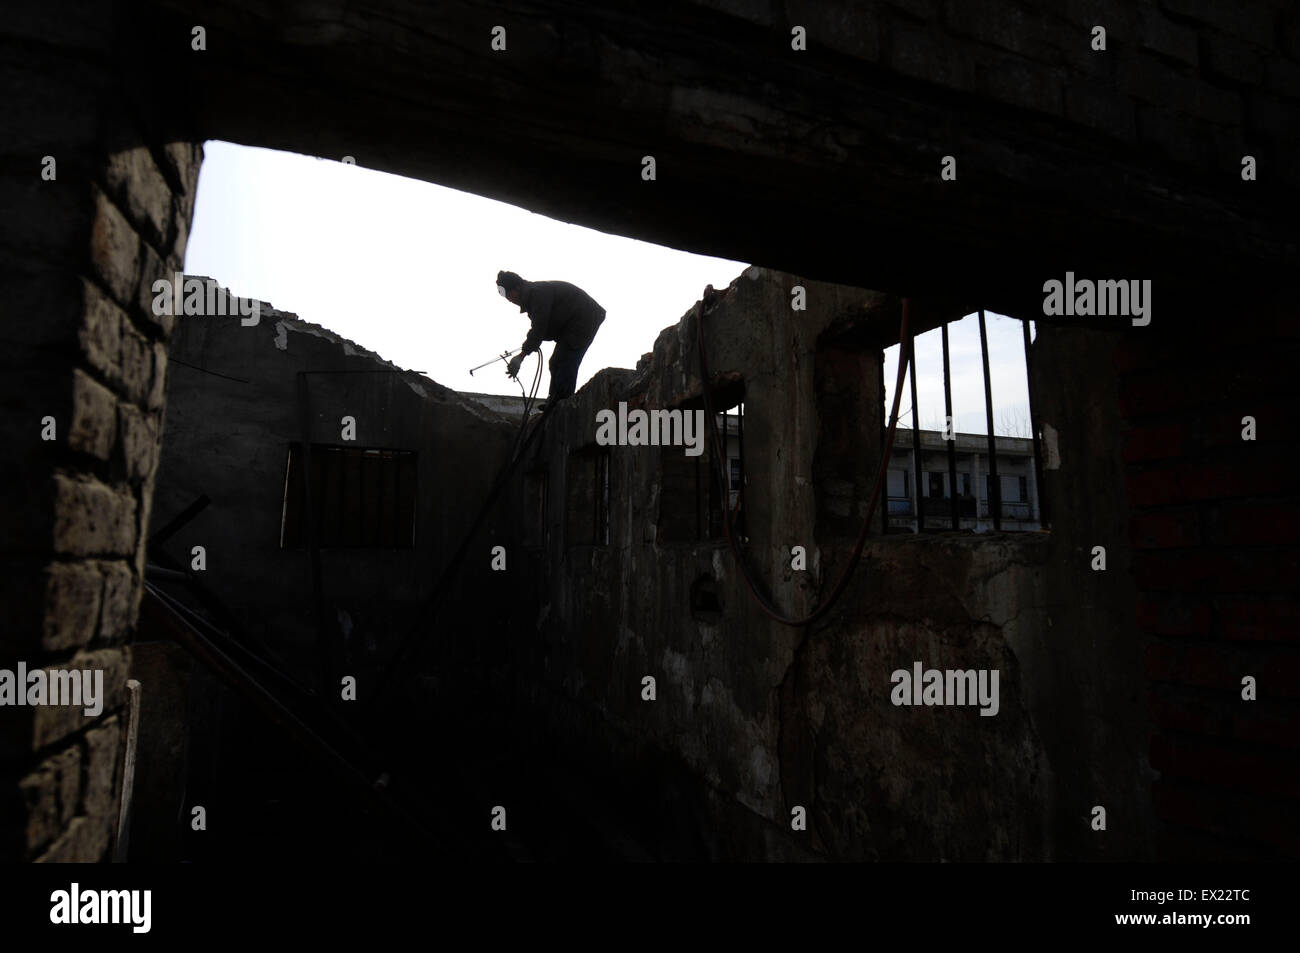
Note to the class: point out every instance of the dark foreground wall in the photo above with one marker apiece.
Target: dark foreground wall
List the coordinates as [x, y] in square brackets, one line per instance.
[1126, 162]
[1209, 466]
[95, 209]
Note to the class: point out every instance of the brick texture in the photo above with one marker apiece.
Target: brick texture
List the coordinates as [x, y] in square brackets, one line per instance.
[1213, 524]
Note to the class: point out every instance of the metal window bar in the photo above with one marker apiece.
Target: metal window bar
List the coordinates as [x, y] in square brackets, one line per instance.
[995, 485]
[1041, 501]
[724, 501]
[717, 505]
[950, 424]
[916, 432]
[740, 453]
[884, 426]
[700, 505]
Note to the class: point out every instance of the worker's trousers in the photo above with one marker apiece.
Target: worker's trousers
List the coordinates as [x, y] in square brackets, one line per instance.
[565, 361]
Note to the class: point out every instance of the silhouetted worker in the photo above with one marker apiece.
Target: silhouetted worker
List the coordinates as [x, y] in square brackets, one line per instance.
[560, 312]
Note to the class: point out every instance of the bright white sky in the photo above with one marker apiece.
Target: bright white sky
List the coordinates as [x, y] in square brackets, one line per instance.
[1006, 371]
[407, 269]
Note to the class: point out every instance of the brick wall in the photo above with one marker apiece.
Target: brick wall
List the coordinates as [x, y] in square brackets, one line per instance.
[1214, 524]
[81, 346]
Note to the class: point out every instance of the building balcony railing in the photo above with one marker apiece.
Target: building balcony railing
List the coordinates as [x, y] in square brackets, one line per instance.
[941, 508]
[937, 506]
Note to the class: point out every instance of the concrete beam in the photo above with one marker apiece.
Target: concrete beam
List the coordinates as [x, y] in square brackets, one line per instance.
[823, 163]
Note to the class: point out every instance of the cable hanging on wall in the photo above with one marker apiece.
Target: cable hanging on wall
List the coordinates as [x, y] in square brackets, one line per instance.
[752, 583]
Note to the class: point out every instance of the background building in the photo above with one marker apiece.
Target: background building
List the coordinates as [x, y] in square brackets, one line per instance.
[971, 497]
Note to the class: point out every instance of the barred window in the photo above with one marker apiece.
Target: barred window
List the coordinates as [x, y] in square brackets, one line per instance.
[360, 498]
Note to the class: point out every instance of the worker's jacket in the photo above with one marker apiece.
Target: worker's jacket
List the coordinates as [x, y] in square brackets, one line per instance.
[560, 312]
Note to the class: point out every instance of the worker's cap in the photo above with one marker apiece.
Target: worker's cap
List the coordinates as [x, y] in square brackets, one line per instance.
[507, 281]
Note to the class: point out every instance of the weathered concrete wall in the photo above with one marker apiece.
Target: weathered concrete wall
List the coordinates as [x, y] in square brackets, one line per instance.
[620, 612]
[758, 717]
[923, 783]
[234, 408]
